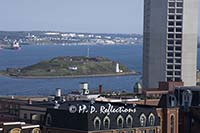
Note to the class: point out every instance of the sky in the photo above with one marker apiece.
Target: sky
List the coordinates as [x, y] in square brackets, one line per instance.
[97, 16]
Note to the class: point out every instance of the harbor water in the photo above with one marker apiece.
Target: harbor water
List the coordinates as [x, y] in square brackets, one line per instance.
[129, 55]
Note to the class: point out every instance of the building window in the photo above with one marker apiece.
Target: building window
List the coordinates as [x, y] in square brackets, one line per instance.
[25, 116]
[169, 66]
[178, 67]
[15, 130]
[172, 101]
[177, 72]
[170, 48]
[171, 23]
[178, 29]
[170, 35]
[171, 4]
[177, 54]
[172, 124]
[142, 120]
[171, 17]
[48, 120]
[169, 79]
[106, 122]
[129, 121]
[178, 48]
[178, 42]
[178, 36]
[179, 4]
[97, 123]
[36, 130]
[170, 61]
[179, 17]
[171, 10]
[179, 23]
[170, 29]
[169, 72]
[121, 131]
[178, 79]
[177, 60]
[151, 119]
[120, 121]
[143, 131]
[186, 98]
[170, 41]
[170, 54]
[179, 11]
[151, 131]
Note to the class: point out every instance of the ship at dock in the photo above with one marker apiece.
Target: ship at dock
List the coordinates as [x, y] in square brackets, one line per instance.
[14, 45]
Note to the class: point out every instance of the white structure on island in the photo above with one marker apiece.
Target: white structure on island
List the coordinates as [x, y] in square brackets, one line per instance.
[118, 68]
[73, 68]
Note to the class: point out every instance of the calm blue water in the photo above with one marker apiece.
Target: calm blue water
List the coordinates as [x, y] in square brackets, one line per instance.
[130, 55]
[34, 53]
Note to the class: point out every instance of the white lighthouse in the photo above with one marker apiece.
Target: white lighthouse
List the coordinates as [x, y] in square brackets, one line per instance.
[117, 68]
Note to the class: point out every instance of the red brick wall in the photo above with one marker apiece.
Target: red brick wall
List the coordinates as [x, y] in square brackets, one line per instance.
[165, 119]
[169, 85]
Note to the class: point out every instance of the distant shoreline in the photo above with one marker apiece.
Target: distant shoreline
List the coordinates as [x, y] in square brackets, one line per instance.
[73, 76]
[80, 44]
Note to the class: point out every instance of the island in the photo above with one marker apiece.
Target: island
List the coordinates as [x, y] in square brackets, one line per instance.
[76, 66]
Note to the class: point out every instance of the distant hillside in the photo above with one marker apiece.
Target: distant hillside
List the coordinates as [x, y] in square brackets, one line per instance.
[56, 37]
[69, 66]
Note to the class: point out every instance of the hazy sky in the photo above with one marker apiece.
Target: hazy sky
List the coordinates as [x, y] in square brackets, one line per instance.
[103, 16]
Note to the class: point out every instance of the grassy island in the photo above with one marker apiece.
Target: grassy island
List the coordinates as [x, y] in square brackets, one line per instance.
[77, 66]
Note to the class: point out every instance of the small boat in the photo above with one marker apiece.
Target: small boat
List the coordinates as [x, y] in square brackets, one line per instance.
[15, 45]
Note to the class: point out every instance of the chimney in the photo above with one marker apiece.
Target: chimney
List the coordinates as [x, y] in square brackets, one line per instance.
[58, 92]
[29, 101]
[100, 89]
[170, 86]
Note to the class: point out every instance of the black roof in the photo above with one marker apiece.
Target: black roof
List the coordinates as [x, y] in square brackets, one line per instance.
[62, 117]
[44, 104]
[192, 88]
[167, 101]
[65, 105]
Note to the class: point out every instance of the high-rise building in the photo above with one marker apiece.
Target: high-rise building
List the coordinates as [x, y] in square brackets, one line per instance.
[170, 41]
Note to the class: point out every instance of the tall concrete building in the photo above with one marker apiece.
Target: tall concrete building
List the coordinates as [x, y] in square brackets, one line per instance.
[170, 41]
